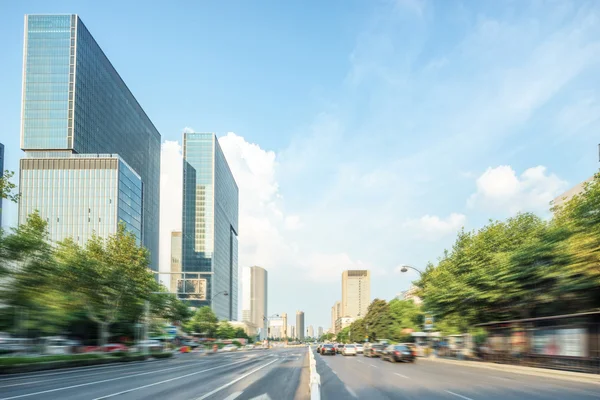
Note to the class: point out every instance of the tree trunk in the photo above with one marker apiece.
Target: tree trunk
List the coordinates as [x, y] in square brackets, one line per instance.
[103, 333]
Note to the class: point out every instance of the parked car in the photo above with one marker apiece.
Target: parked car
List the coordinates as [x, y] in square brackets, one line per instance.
[359, 348]
[114, 347]
[56, 345]
[229, 347]
[338, 348]
[398, 352]
[373, 349]
[349, 350]
[327, 349]
[147, 345]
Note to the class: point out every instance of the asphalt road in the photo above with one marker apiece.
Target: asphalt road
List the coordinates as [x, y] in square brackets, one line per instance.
[373, 379]
[260, 374]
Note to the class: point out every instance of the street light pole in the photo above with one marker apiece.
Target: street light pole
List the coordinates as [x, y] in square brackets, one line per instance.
[405, 268]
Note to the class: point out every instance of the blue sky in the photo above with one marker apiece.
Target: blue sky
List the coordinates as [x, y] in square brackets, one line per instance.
[362, 134]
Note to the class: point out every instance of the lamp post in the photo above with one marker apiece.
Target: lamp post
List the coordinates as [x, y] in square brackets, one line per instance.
[405, 268]
[224, 293]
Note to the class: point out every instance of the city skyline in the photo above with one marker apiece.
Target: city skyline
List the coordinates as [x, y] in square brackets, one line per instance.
[416, 179]
[255, 295]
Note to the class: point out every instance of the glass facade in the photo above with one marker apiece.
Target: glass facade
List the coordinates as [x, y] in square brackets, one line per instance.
[74, 101]
[81, 195]
[210, 222]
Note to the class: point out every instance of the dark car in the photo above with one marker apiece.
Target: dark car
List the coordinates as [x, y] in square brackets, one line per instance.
[398, 352]
[327, 349]
[339, 348]
[373, 350]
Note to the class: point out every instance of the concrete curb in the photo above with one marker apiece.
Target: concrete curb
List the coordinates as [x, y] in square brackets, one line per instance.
[315, 378]
[517, 369]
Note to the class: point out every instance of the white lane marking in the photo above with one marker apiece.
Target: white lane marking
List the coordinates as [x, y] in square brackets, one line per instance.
[458, 395]
[374, 366]
[362, 362]
[400, 375]
[233, 396]
[351, 391]
[97, 382]
[262, 397]
[235, 381]
[82, 376]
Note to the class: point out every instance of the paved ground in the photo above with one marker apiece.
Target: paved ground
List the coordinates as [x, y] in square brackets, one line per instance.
[373, 379]
[261, 374]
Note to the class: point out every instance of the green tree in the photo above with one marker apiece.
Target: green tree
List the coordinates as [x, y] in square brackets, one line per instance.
[108, 277]
[326, 336]
[378, 321]
[240, 334]
[204, 322]
[7, 188]
[343, 336]
[406, 315]
[225, 330]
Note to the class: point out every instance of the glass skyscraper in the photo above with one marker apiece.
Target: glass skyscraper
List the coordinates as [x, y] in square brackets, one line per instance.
[75, 102]
[210, 226]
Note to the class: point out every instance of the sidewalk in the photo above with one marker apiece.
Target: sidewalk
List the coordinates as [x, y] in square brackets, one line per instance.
[517, 369]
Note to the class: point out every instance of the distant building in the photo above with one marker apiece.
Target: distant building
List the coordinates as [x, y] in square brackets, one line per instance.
[300, 325]
[336, 312]
[320, 331]
[356, 293]
[175, 261]
[210, 226]
[285, 326]
[311, 331]
[254, 297]
[249, 328]
[292, 330]
[569, 194]
[343, 322]
[90, 149]
[410, 294]
[276, 328]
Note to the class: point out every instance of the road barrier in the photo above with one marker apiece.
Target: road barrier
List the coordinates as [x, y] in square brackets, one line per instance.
[315, 378]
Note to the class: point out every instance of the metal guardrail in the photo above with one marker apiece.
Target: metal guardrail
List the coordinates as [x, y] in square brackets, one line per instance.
[315, 378]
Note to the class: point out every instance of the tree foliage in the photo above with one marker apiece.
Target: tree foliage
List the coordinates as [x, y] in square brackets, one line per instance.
[519, 268]
[7, 188]
[204, 322]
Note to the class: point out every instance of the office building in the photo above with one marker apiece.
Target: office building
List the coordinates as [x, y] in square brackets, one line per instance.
[300, 325]
[342, 323]
[276, 328]
[210, 223]
[336, 312]
[311, 331]
[559, 201]
[80, 195]
[356, 293]
[254, 296]
[1, 175]
[410, 294]
[176, 276]
[292, 330]
[320, 332]
[249, 328]
[76, 104]
[285, 325]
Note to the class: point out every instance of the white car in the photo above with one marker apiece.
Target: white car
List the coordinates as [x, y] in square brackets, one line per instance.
[349, 350]
[229, 347]
[359, 348]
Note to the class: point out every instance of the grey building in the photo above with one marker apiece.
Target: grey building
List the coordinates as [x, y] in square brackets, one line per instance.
[175, 261]
[1, 175]
[210, 225]
[254, 297]
[75, 103]
[300, 325]
[320, 331]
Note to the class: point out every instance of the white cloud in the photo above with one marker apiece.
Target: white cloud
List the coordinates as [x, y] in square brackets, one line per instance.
[500, 189]
[432, 227]
[171, 192]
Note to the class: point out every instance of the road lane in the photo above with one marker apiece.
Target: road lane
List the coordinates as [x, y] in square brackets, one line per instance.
[359, 377]
[186, 377]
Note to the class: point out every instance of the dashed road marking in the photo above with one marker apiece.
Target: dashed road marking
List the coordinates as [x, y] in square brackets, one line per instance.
[233, 396]
[458, 395]
[351, 391]
[400, 375]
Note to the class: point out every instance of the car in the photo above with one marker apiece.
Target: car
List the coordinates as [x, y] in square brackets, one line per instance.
[327, 349]
[398, 352]
[338, 348]
[229, 347]
[373, 349]
[349, 350]
[359, 348]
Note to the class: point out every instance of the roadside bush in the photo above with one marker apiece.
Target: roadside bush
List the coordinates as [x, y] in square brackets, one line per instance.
[238, 344]
[8, 361]
[162, 355]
